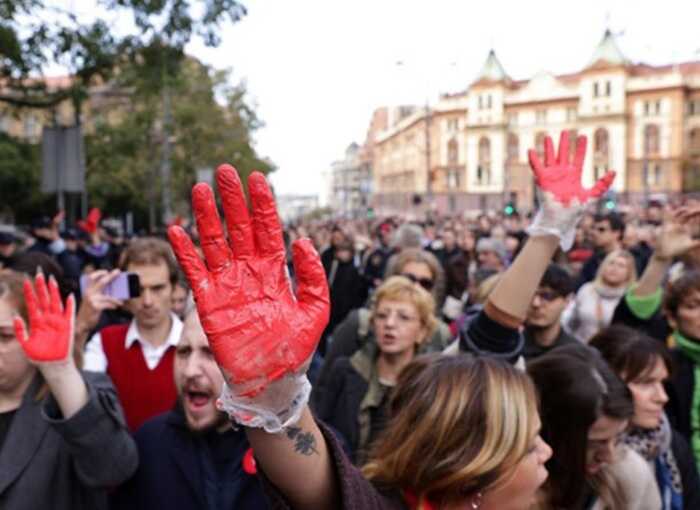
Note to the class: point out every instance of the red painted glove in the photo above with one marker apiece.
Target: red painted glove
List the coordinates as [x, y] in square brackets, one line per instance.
[563, 198]
[91, 221]
[258, 330]
[50, 339]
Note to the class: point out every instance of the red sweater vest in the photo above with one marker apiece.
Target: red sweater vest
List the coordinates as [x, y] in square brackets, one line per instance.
[144, 393]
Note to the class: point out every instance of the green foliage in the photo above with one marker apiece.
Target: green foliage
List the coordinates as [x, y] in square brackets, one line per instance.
[20, 174]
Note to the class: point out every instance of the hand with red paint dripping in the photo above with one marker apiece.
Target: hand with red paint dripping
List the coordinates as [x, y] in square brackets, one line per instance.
[50, 337]
[563, 198]
[261, 333]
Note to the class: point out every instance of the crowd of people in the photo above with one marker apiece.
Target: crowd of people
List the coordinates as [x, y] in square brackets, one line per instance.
[500, 361]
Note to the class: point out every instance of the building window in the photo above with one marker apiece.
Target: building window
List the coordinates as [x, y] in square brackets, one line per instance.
[513, 119]
[481, 103]
[30, 126]
[483, 170]
[601, 152]
[539, 144]
[691, 107]
[452, 125]
[595, 89]
[651, 139]
[541, 116]
[512, 148]
[646, 107]
[573, 135]
[488, 101]
[453, 178]
[452, 152]
[571, 114]
[608, 88]
[695, 140]
[658, 107]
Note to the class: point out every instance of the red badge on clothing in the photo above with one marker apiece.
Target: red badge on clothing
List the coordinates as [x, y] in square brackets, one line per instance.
[249, 463]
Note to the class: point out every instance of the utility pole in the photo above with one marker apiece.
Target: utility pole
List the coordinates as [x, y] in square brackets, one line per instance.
[165, 164]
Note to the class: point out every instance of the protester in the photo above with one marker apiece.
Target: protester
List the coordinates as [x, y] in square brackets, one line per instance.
[139, 356]
[492, 254]
[377, 259]
[585, 408]
[191, 457]
[8, 248]
[453, 458]
[543, 328]
[594, 305]
[63, 441]
[353, 400]
[180, 299]
[645, 364]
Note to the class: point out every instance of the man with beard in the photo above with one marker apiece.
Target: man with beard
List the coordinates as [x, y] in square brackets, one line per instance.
[191, 457]
[543, 329]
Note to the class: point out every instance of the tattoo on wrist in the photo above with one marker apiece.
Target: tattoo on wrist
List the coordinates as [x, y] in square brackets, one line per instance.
[304, 442]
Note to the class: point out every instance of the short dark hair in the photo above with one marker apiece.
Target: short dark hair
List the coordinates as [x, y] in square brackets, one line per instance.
[150, 251]
[617, 224]
[630, 352]
[679, 289]
[558, 279]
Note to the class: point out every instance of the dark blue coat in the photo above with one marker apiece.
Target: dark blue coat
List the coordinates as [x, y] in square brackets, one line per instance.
[176, 471]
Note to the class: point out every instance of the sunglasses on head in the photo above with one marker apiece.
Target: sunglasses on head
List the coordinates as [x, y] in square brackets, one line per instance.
[426, 283]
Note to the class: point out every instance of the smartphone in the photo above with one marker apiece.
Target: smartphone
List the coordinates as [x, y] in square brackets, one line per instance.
[124, 286]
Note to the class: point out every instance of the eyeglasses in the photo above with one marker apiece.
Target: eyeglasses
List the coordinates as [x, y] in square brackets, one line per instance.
[547, 295]
[401, 317]
[426, 283]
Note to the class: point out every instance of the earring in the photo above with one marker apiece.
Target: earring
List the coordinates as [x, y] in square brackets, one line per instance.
[476, 501]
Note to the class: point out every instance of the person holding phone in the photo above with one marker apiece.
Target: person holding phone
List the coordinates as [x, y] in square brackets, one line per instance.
[138, 356]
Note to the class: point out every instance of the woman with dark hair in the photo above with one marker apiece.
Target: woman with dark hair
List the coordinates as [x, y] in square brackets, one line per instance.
[671, 314]
[585, 409]
[644, 364]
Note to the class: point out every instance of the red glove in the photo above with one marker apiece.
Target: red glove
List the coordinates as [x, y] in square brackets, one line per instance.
[51, 326]
[91, 221]
[257, 329]
[561, 177]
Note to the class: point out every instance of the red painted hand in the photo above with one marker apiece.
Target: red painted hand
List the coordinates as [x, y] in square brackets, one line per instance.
[257, 329]
[50, 339]
[562, 177]
[92, 221]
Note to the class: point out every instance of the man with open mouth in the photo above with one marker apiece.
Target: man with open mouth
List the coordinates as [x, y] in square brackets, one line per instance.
[191, 457]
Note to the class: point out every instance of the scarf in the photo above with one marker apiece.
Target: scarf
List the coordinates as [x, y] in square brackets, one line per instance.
[692, 350]
[655, 446]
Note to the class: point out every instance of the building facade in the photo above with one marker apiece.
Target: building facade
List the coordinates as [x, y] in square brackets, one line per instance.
[469, 151]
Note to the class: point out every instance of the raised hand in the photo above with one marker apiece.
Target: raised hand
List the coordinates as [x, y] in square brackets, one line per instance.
[50, 337]
[674, 237]
[562, 177]
[258, 330]
[559, 183]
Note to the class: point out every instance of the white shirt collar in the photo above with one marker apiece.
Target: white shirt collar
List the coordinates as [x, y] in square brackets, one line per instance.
[132, 334]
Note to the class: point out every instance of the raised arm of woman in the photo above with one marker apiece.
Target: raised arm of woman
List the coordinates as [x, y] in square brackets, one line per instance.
[562, 203]
[261, 334]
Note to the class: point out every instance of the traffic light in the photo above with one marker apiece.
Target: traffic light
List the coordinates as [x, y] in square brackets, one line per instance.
[609, 201]
[509, 209]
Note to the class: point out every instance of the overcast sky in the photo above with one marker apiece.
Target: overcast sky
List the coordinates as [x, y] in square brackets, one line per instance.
[317, 69]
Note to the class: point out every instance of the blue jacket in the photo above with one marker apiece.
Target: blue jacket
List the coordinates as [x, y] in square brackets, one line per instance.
[177, 470]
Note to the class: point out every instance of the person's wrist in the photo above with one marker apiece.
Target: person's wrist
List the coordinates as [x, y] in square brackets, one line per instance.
[59, 370]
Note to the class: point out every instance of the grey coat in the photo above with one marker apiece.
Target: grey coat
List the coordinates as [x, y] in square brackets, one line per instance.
[49, 462]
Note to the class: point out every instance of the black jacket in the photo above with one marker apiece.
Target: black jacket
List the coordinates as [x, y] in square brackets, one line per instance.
[689, 473]
[177, 470]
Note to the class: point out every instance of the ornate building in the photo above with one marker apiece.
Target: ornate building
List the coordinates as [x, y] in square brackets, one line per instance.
[469, 151]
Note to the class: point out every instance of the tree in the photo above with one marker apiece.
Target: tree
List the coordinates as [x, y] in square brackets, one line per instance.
[33, 33]
[212, 122]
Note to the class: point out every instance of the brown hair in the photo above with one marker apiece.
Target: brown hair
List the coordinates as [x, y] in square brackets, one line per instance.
[457, 426]
[629, 352]
[148, 251]
[398, 262]
[679, 289]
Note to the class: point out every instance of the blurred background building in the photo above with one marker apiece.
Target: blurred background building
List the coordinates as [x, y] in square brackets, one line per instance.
[469, 150]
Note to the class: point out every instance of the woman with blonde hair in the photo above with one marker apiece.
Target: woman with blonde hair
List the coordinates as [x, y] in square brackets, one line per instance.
[353, 398]
[594, 305]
